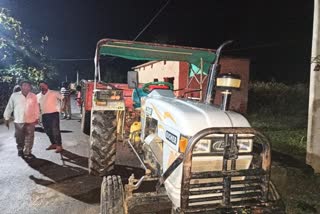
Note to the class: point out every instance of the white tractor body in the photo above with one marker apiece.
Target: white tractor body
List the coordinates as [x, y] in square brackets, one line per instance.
[176, 119]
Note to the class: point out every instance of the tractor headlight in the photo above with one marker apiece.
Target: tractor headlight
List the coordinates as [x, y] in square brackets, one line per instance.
[245, 144]
[216, 144]
[203, 146]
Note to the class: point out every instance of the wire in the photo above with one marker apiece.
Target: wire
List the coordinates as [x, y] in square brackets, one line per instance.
[150, 22]
[78, 59]
[139, 34]
[73, 59]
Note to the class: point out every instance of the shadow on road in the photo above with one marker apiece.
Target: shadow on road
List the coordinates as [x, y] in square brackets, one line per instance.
[71, 181]
[70, 157]
[75, 181]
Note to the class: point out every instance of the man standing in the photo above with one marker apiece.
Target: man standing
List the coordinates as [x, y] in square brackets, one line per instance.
[49, 102]
[79, 99]
[25, 110]
[66, 104]
[16, 88]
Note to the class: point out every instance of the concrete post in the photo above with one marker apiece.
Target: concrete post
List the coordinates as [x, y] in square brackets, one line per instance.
[313, 143]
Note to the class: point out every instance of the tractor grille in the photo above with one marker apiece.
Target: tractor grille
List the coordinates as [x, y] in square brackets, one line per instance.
[231, 188]
[238, 180]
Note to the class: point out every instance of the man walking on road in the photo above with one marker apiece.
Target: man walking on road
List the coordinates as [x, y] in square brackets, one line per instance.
[66, 102]
[49, 102]
[25, 110]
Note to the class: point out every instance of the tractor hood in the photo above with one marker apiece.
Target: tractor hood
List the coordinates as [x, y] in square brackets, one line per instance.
[188, 117]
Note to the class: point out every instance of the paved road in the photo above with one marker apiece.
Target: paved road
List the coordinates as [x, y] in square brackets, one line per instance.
[51, 183]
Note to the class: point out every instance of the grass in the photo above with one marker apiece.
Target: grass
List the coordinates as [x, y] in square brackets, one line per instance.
[287, 134]
[280, 112]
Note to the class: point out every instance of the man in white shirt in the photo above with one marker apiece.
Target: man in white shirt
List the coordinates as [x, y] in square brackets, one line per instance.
[49, 102]
[66, 101]
[25, 110]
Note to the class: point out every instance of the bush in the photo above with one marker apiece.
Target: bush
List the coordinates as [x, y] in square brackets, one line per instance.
[280, 111]
[272, 98]
[5, 92]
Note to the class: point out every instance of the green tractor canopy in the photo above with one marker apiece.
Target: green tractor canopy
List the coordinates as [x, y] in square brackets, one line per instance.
[152, 51]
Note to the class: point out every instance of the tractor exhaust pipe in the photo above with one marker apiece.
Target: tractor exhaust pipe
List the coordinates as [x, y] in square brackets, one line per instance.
[226, 96]
[213, 73]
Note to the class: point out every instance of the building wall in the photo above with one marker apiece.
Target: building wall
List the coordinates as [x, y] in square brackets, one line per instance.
[240, 66]
[149, 71]
[180, 70]
[239, 99]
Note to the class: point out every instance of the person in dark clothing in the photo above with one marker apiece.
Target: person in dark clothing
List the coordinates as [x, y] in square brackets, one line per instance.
[49, 102]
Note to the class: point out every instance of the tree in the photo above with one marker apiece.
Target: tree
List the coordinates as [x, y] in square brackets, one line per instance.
[19, 57]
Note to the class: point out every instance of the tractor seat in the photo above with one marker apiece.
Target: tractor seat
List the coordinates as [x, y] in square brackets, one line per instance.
[136, 97]
[151, 87]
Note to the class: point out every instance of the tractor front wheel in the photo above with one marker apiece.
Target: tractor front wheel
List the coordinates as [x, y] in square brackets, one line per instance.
[112, 196]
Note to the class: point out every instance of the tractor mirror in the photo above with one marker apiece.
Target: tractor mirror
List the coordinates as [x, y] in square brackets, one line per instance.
[133, 81]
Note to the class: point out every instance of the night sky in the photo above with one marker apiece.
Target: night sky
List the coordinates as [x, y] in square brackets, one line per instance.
[275, 35]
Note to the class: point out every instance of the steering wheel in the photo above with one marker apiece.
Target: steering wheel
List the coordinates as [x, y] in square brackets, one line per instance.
[146, 89]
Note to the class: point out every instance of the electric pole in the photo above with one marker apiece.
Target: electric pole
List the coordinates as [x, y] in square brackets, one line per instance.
[313, 142]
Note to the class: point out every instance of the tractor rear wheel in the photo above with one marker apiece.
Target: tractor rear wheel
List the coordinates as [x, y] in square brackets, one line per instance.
[112, 196]
[103, 140]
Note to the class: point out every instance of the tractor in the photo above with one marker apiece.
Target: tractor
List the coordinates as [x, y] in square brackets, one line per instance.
[87, 87]
[196, 157]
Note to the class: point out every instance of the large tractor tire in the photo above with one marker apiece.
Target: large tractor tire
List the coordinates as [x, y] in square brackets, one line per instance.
[112, 196]
[103, 142]
[85, 122]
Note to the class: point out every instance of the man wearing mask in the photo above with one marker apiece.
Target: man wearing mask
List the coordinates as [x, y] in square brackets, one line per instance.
[49, 102]
[25, 110]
